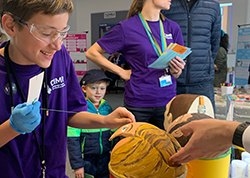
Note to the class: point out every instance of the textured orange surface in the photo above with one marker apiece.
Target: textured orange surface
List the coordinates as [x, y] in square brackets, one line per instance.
[144, 153]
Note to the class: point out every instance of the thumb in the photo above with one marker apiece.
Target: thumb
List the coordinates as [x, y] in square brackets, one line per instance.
[37, 105]
[120, 122]
[187, 129]
[179, 157]
[124, 121]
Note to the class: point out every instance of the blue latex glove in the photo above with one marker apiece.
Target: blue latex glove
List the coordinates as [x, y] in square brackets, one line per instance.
[25, 118]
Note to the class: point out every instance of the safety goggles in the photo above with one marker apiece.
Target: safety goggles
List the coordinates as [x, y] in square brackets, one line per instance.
[42, 33]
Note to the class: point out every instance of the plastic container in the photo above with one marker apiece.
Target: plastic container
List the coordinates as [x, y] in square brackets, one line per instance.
[231, 77]
[247, 161]
[247, 88]
[201, 106]
[244, 155]
[226, 90]
[209, 168]
[248, 169]
[238, 169]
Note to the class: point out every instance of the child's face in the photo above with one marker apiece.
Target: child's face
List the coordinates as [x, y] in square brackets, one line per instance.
[26, 49]
[95, 92]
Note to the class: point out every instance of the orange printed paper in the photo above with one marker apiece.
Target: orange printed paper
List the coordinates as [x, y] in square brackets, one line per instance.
[179, 49]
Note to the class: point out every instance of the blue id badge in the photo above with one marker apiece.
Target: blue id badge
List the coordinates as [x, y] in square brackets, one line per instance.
[165, 80]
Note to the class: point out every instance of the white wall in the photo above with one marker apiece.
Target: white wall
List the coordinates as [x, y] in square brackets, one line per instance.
[241, 15]
[241, 11]
[84, 8]
[80, 21]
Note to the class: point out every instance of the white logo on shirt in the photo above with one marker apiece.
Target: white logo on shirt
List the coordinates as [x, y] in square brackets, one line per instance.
[56, 83]
[168, 36]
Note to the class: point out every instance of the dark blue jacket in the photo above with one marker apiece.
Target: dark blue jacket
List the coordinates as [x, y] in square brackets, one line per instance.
[201, 29]
[89, 141]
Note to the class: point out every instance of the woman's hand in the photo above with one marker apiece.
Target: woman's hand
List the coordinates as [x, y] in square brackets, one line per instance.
[126, 74]
[176, 66]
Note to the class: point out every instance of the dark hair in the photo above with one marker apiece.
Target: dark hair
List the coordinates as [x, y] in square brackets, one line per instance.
[224, 41]
[26, 9]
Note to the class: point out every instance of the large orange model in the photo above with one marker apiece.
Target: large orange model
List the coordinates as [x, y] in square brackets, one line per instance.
[144, 152]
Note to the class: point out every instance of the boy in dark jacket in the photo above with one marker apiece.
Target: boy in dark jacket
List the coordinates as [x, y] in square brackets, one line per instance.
[89, 149]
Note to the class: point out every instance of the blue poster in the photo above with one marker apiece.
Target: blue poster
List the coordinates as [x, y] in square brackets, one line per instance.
[105, 28]
[242, 56]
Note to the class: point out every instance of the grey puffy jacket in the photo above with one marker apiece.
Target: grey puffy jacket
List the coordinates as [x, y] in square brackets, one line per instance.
[201, 29]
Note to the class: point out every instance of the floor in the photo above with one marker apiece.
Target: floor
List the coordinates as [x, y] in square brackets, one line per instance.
[114, 100]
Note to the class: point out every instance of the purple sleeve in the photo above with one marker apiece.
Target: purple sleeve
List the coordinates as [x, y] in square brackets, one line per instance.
[113, 41]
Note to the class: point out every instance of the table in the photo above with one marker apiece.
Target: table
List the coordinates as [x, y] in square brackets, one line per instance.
[241, 101]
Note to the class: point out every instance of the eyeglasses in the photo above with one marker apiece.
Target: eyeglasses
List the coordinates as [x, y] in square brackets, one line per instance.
[42, 33]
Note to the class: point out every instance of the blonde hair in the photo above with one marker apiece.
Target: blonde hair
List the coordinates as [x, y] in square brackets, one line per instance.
[136, 8]
[3, 37]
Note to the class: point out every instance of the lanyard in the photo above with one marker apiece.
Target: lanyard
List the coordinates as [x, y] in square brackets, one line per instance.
[45, 103]
[151, 37]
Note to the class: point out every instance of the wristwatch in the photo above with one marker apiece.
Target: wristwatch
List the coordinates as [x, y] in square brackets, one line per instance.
[237, 138]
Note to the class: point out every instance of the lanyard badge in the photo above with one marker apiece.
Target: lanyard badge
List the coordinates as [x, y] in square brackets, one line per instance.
[165, 80]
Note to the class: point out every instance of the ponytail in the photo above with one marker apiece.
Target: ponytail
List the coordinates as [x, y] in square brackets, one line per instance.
[136, 8]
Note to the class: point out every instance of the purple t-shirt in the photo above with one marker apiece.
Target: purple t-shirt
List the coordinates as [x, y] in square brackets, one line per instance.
[130, 38]
[20, 156]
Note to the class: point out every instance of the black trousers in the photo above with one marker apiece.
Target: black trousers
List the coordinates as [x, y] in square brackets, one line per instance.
[152, 115]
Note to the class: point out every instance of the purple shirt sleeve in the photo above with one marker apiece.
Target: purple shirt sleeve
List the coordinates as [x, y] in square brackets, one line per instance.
[112, 41]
